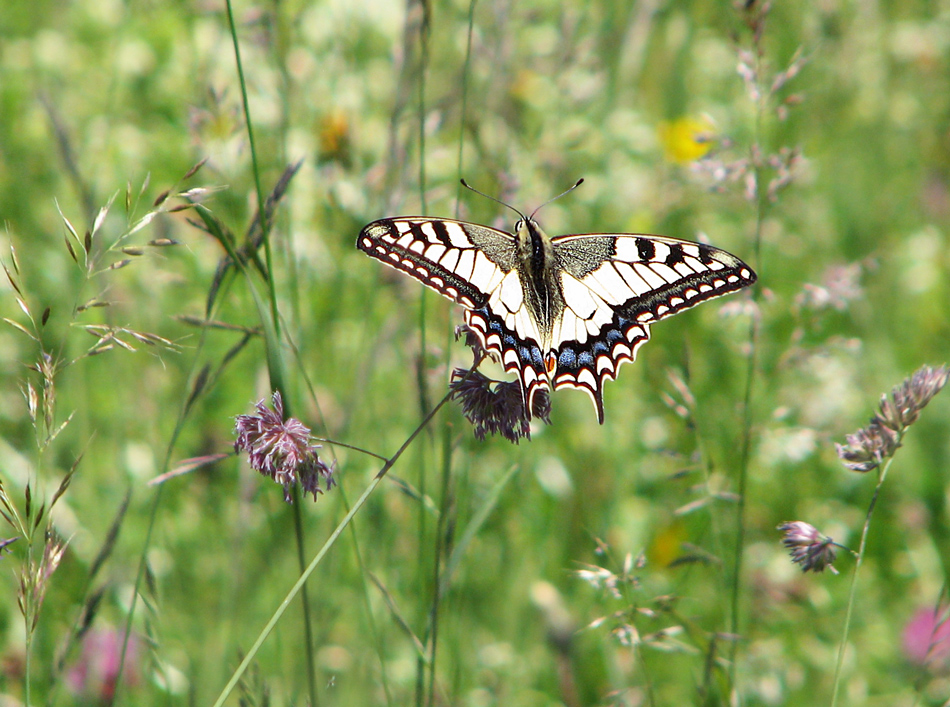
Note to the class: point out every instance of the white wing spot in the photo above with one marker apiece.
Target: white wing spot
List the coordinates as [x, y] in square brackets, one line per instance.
[625, 248]
[621, 350]
[676, 301]
[564, 379]
[457, 235]
[607, 283]
[450, 260]
[695, 264]
[586, 377]
[662, 309]
[645, 317]
[483, 272]
[578, 296]
[662, 252]
[429, 230]
[580, 330]
[510, 292]
[604, 363]
[652, 279]
[465, 264]
[636, 283]
[683, 269]
[434, 252]
[666, 272]
[634, 333]
[529, 375]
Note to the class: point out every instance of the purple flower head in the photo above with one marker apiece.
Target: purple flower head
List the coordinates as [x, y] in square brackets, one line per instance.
[282, 449]
[498, 410]
[808, 548]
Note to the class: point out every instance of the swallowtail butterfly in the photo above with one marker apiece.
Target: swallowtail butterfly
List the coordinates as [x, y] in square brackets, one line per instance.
[560, 312]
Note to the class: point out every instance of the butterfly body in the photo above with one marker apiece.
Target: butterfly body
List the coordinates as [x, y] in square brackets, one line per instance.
[562, 312]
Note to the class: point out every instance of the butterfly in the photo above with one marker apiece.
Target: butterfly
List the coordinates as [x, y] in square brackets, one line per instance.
[561, 312]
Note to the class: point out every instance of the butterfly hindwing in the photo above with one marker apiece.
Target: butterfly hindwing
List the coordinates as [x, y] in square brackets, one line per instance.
[518, 354]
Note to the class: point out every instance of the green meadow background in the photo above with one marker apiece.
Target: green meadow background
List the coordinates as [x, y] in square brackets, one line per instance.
[457, 583]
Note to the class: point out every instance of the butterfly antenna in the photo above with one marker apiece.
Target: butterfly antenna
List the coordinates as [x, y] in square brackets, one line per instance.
[497, 201]
[566, 191]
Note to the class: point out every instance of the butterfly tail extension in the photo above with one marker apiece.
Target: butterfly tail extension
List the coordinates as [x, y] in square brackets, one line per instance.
[587, 367]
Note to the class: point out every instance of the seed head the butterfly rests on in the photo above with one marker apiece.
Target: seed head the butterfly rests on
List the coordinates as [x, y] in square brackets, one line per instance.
[562, 312]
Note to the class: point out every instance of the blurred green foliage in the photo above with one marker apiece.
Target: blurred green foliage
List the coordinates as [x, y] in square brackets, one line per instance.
[99, 97]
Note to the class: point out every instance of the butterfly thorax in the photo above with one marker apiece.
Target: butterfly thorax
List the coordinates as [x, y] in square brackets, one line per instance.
[536, 267]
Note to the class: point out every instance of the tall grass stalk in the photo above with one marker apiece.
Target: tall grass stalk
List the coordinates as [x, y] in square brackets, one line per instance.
[852, 590]
[424, 661]
[275, 358]
[756, 21]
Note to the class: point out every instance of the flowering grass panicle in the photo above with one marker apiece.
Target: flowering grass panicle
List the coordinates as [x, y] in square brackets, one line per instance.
[871, 445]
[868, 447]
[808, 547]
[282, 449]
[908, 399]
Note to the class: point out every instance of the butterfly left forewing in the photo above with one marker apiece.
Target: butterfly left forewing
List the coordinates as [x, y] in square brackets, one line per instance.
[462, 261]
[615, 286]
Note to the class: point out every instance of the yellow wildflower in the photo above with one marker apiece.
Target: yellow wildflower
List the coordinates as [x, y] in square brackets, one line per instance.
[686, 139]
